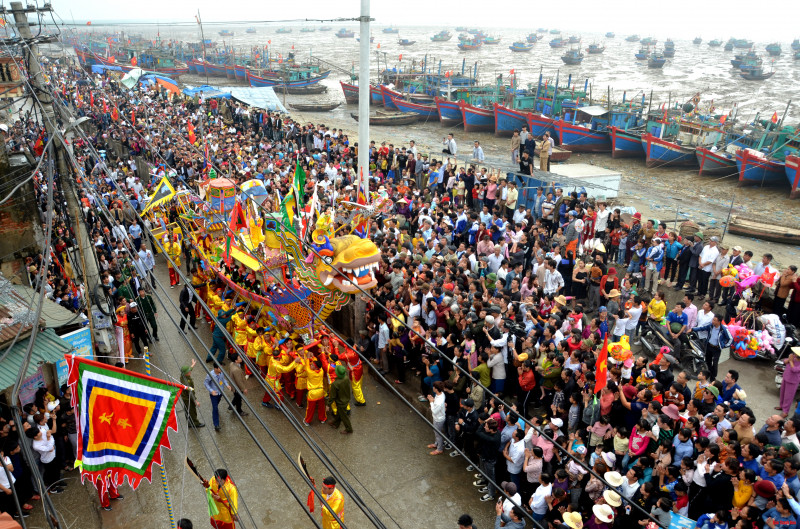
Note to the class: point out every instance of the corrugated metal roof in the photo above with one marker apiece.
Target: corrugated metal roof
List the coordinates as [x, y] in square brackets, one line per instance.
[49, 348]
[53, 314]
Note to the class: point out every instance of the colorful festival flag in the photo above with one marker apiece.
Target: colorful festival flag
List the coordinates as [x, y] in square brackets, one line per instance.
[163, 193]
[190, 128]
[122, 420]
[601, 374]
[299, 183]
[38, 147]
[774, 118]
[287, 210]
[238, 221]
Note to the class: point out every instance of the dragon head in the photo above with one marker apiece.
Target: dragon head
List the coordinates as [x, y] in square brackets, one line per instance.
[353, 263]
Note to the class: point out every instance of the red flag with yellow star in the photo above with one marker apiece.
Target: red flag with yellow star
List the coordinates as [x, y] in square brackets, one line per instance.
[122, 419]
[601, 373]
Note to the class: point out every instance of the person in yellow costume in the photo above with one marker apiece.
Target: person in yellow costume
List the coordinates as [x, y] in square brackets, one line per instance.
[239, 321]
[274, 371]
[301, 381]
[250, 351]
[315, 397]
[335, 499]
[262, 346]
[225, 499]
[173, 249]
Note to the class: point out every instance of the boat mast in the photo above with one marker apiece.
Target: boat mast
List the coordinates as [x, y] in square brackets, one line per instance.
[363, 101]
[202, 43]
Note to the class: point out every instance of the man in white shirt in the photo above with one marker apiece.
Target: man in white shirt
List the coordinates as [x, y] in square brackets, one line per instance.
[553, 282]
[477, 152]
[510, 488]
[538, 501]
[704, 264]
[450, 146]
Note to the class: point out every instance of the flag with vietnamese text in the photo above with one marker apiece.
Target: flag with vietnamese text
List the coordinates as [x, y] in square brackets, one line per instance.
[122, 419]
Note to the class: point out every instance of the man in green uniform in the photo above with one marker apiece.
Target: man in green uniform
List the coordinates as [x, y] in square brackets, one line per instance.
[190, 401]
[340, 394]
[150, 312]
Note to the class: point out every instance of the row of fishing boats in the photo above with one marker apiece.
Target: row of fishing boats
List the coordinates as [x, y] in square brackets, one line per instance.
[758, 151]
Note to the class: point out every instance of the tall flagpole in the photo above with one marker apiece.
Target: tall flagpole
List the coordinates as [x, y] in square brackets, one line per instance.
[363, 100]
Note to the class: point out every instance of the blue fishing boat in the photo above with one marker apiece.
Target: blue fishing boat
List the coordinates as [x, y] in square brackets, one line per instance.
[656, 60]
[477, 119]
[625, 144]
[532, 38]
[648, 41]
[555, 31]
[729, 46]
[308, 30]
[742, 43]
[391, 30]
[426, 112]
[756, 74]
[632, 38]
[251, 31]
[558, 42]
[716, 43]
[345, 33]
[642, 54]
[572, 57]
[661, 153]
[406, 42]
[507, 120]
[610, 35]
[491, 40]
[325, 28]
[697, 41]
[521, 46]
[467, 45]
[442, 36]
[284, 30]
[541, 30]
[449, 112]
[792, 168]
[797, 55]
[751, 62]
[574, 39]
[755, 168]
[669, 48]
[461, 28]
[584, 130]
[226, 33]
[595, 49]
[774, 49]
[796, 44]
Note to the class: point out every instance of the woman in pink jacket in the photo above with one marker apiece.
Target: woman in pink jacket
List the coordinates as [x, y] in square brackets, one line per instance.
[637, 444]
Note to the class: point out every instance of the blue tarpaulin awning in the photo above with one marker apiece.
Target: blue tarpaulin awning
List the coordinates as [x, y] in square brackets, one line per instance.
[100, 68]
[207, 91]
[261, 97]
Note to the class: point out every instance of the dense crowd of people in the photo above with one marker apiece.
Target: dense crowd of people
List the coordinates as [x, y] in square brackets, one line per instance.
[498, 306]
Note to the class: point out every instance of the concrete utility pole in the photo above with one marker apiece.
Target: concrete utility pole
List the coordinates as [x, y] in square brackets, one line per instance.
[91, 274]
[363, 100]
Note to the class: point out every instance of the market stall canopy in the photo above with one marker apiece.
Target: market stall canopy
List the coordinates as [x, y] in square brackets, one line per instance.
[101, 68]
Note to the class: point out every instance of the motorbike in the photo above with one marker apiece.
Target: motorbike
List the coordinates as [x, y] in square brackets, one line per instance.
[691, 357]
[792, 339]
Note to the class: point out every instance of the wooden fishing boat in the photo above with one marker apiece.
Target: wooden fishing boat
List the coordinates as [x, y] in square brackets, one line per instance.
[572, 57]
[390, 119]
[656, 60]
[302, 91]
[391, 30]
[774, 49]
[719, 163]
[345, 34]
[756, 75]
[632, 38]
[558, 42]
[610, 35]
[226, 33]
[309, 30]
[284, 30]
[716, 43]
[350, 92]
[697, 40]
[521, 46]
[559, 154]
[595, 49]
[532, 38]
[425, 112]
[442, 36]
[315, 107]
[491, 40]
[406, 42]
[574, 39]
[761, 230]
[467, 45]
[793, 174]
[257, 81]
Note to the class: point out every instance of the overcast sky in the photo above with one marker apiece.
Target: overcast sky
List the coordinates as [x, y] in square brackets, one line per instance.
[762, 21]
